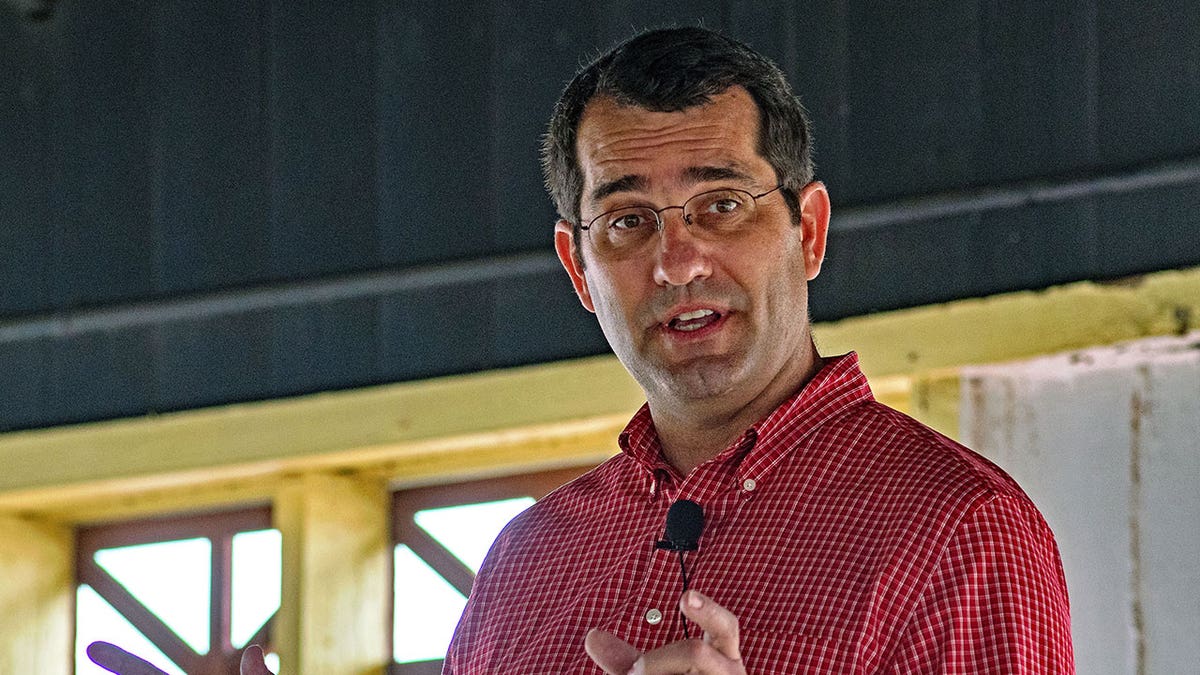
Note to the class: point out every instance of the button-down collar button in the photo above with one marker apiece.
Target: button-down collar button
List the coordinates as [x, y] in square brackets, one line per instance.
[653, 617]
[749, 484]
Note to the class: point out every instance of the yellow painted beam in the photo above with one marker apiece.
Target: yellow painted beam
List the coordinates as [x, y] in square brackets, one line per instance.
[334, 614]
[36, 592]
[235, 450]
[408, 464]
[1018, 325]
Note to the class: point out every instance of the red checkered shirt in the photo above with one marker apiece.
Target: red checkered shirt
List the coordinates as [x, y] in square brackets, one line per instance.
[845, 536]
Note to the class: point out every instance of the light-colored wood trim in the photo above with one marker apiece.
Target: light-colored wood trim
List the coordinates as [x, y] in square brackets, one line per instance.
[36, 597]
[334, 614]
[1018, 325]
[411, 464]
[280, 431]
[533, 417]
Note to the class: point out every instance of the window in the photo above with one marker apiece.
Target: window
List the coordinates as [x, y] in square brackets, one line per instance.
[185, 593]
[441, 535]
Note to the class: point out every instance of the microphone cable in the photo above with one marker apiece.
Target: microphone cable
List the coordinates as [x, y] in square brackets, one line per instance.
[685, 522]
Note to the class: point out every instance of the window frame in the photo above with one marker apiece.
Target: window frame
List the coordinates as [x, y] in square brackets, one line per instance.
[219, 527]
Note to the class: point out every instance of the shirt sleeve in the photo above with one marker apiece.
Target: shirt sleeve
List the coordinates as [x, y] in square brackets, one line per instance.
[465, 643]
[476, 636]
[996, 602]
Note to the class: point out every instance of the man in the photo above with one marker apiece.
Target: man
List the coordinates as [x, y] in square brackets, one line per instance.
[839, 536]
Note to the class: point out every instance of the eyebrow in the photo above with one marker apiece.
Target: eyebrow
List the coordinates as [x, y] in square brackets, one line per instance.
[694, 174]
[626, 183]
[702, 174]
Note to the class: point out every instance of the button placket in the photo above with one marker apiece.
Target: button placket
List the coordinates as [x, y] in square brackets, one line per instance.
[662, 581]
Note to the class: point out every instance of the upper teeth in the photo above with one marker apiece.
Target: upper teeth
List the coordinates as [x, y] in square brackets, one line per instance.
[694, 314]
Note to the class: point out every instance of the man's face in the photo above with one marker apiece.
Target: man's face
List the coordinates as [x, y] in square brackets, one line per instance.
[695, 318]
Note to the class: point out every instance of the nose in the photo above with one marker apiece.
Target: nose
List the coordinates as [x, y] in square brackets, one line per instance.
[680, 258]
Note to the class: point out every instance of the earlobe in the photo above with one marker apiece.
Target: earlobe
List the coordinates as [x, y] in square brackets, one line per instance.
[814, 222]
[572, 262]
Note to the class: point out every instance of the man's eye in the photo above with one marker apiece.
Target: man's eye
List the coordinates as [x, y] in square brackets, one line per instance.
[726, 205]
[626, 221]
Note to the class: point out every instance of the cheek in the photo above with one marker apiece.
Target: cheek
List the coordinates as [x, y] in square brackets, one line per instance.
[611, 299]
[781, 278]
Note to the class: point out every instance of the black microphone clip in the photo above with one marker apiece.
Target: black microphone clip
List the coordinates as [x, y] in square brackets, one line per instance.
[685, 522]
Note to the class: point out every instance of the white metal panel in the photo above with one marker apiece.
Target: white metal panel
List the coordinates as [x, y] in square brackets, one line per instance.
[1105, 441]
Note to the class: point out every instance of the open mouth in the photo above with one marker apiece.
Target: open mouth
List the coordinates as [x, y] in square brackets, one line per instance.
[694, 320]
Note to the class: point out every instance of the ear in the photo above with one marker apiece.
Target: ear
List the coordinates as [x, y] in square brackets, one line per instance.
[814, 225]
[572, 262]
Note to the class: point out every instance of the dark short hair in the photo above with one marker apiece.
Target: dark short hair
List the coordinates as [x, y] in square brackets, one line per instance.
[672, 69]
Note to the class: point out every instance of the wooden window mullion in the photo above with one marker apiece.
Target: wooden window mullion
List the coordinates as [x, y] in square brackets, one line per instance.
[140, 617]
[437, 556]
[221, 594]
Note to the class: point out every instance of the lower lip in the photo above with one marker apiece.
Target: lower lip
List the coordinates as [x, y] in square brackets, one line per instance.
[698, 334]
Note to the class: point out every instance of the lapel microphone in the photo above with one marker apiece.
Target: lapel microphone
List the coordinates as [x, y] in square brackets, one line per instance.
[685, 522]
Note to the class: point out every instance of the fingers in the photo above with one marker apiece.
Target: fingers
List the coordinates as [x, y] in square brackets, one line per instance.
[610, 652]
[116, 660]
[694, 657]
[720, 626]
[253, 663]
[717, 654]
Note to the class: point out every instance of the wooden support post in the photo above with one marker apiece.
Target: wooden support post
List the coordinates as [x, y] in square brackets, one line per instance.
[335, 612]
[35, 597]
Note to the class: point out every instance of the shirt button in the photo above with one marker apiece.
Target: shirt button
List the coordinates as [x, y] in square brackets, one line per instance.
[749, 484]
[653, 617]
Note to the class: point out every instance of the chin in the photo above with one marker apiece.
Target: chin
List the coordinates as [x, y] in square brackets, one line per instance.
[703, 380]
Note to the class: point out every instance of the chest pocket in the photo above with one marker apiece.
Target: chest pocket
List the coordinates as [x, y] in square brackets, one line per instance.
[780, 652]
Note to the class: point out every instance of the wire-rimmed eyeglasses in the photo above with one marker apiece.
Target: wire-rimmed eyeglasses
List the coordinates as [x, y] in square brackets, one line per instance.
[708, 215]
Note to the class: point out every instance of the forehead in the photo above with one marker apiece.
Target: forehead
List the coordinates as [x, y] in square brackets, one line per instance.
[616, 141]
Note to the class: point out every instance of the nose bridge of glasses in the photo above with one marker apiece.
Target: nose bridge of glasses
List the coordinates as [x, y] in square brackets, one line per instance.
[662, 220]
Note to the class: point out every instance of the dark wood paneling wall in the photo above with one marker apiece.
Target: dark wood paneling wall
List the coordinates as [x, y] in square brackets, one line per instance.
[177, 154]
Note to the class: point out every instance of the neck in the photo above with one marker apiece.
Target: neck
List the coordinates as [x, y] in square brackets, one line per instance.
[692, 432]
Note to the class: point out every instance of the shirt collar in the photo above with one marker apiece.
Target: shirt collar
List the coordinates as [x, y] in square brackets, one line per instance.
[838, 386]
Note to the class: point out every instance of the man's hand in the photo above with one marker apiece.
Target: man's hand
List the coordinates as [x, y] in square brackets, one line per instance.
[116, 660]
[253, 663]
[716, 654]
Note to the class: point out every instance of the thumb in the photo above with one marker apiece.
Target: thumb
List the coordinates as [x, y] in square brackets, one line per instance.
[610, 652]
[253, 662]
